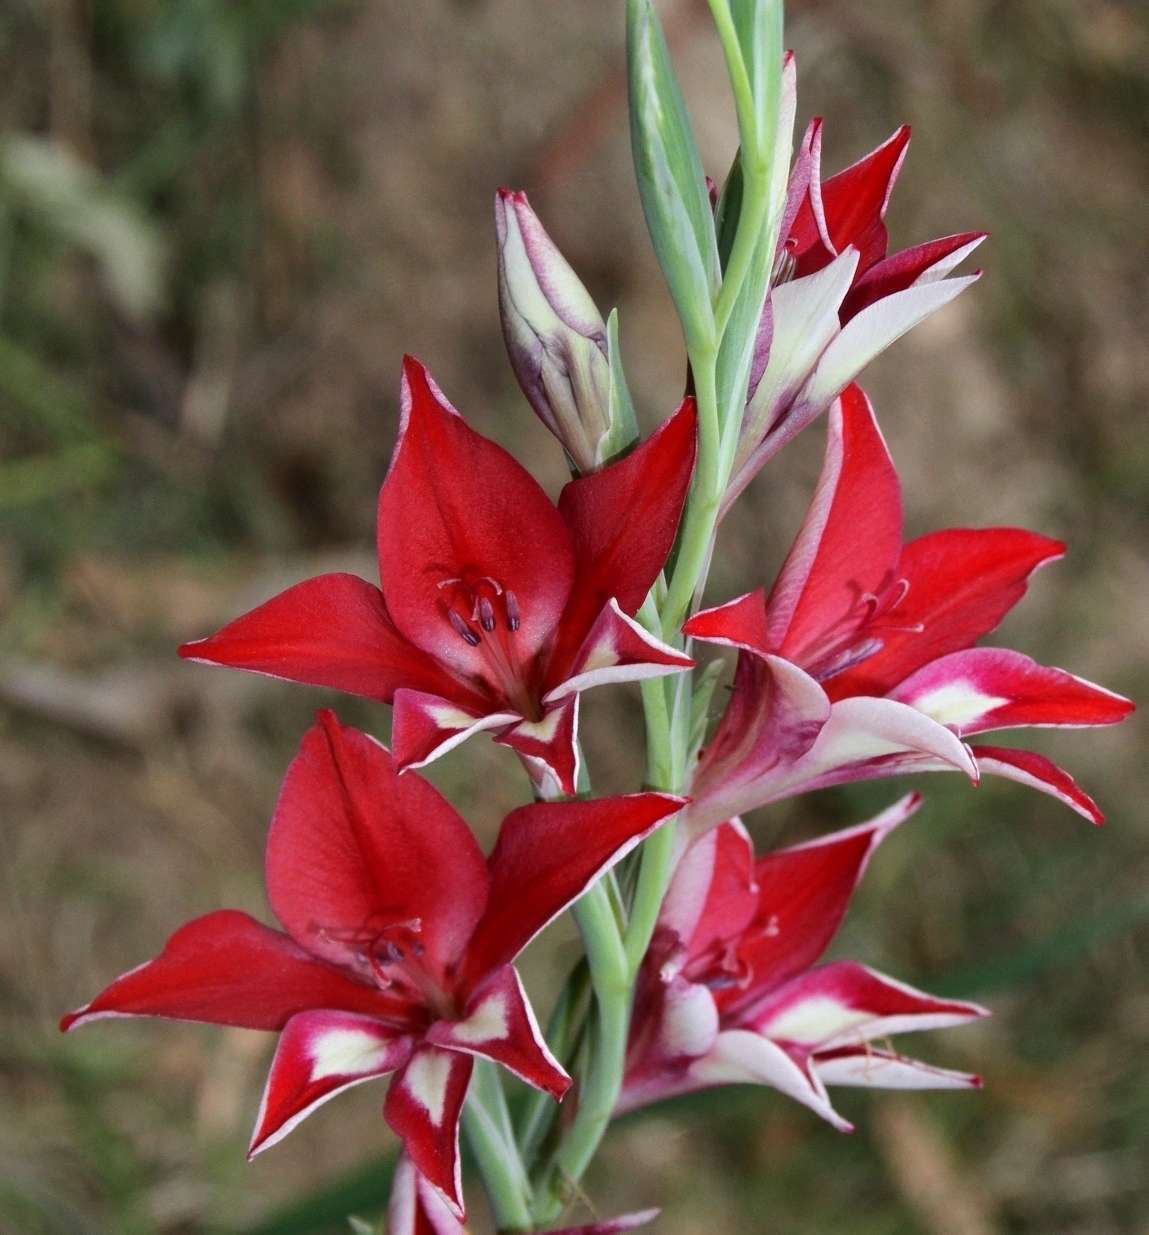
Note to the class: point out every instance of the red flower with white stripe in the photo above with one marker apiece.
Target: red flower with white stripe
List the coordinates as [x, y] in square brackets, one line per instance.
[399, 943]
[860, 662]
[417, 1209]
[496, 609]
[838, 300]
[730, 992]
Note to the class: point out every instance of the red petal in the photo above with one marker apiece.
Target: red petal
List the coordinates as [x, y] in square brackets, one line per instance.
[622, 521]
[416, 1208]
[549, 747]
[1028, 768]
[423, 727]
[618, 649]
[807, 237]
[772, 719]
[855, 200]
[740, 623]
[803, 894]
[319, 1055]
[330, 631]
[962, 582]
[849, 542]
[228, 969]
[423, 1108]
[904, 269]
[838, 1004]
[355, 848]
[713, 896]
[994, 688]
[455, 506]
[546, 856]
[499, 1024]
[867, 1066]
[612, 1226]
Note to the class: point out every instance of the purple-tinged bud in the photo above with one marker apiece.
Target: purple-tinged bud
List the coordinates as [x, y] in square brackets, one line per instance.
[556, 337]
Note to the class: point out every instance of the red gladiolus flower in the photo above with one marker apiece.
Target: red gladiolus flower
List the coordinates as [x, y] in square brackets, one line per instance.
[496, 609]
[399, 943]
[859, 664]
[730, 992]
[837, 299]
[417, 1209]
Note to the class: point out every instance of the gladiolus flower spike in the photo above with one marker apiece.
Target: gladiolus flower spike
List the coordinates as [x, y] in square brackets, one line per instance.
[496, 608]
[398, 943]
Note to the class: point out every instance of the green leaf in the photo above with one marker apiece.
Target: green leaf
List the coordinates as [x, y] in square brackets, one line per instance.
[671, 182]
[759, 27]
[623, 431]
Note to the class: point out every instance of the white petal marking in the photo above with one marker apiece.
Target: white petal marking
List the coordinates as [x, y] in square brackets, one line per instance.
[814, 1020]
[426, 1079]
[488, 1023]
[347, 1052]
[957, 703]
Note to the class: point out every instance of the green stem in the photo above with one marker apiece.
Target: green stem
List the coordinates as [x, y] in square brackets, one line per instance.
[599, 1089]
[487, 1124]
[562, 1035]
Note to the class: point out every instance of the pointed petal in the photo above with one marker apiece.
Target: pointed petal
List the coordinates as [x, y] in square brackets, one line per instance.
[994, 688]
[549, 747]
[855, 200]
[499, 1024]
[740, 623]
[848, 545]
[873, 330]
[803, 894]
[771, 722]
[805, 319]
[546, 856]
[331, 631]
[424, 727]
[845, 1003]
[622, 522]
[228, 969]
[743, 1057]
[618, 649]
[713, 895]
[1028, 768]
[926, 263]
[613, 1226]
[355, 848]
[962, 582]
[874, 1069]
[423, 1108]
[807, 236]
[675, 1024]
[320, 1054]
[455, 507]
[415, 1207]
[867, 739]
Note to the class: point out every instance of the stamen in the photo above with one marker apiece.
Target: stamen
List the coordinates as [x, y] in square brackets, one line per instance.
[462, 629]
[784, 265]
[512, 604]
[486, 614]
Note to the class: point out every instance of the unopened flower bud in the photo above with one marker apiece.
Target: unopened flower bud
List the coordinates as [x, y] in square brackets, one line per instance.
[555, 336]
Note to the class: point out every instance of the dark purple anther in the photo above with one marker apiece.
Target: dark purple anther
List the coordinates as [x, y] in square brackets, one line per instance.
[512, 611]
[462, 629]
[486, 614]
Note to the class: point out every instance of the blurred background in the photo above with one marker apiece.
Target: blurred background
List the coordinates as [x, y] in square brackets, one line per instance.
[221, 225]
